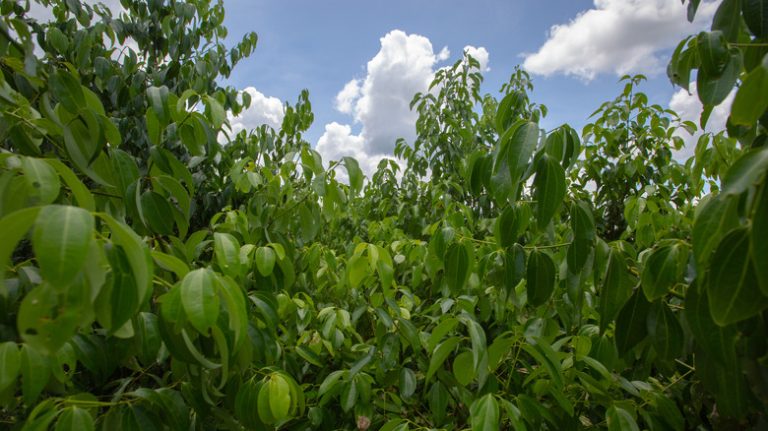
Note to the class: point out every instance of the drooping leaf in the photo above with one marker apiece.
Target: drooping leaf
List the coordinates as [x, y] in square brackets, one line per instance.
[666, 332]
[734, 294]
[10, 358]
[484, 414]
[750, 101]
[199, 299]
[540, 278]
[755, 14]
[549, 185]
[61, 238]
[615, 290]
[663, 269]
[620, 420]
[457, 267]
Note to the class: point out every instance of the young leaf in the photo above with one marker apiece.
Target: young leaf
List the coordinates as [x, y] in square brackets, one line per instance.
[199, 299]
[265, 260]
[61, 239]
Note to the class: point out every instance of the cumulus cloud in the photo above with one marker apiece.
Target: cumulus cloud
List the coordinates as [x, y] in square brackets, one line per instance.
[689, 107]
[263, 110]
[379, 102]
[616, 36]
[480, 54]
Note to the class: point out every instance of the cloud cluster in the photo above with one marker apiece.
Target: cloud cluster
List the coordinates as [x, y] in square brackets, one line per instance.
[689, 107]
[616, 36]
[263, 110]
[379, 102]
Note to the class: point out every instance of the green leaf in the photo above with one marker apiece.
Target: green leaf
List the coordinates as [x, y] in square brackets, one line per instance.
[35, 373]
[42, 181]
[13, 228]
[546, 356]
[484, 414]
[517, 146]
[540, 278]
[549, 186]
[407, 383]
[666, 332]
[756, 16]
[746, 171]
[10, 358]
[758, 240]
[620, 420]
[279, 392]
[457, 267]
[631, 323]
[508, 226]
[750, 101]
[713, 52]
[170, 263]
[717, 341]
[156, 210]
[265, 261]
[727, 19]
[137, 253]
[199, 299]
[514, 267]
[227, 251]
[440, 354]
[733, 289]
[663, 269]
[82, 194]
[357, 269]
[74, 419]
[355, 174]
[66, 88]
[583, 226]
[615, 290]
[714, 88]
[61, 239]
[349, 396]
[715, 217]
[463, 369]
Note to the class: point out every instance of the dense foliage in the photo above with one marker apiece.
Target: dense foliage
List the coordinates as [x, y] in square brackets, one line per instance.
[161, 272]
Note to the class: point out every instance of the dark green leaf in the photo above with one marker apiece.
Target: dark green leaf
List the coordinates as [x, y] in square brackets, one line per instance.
[756, 16]
[457, 267]
[750, 102]
[666, 332]
[615, 290]
[631, 323]
[620, 420]
[663, 269]
[540, 278]
[549, 187]
[733, 289]
[759, 239]
[10, 358]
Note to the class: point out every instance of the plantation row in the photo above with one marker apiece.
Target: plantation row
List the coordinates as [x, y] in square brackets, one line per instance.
[497, 276]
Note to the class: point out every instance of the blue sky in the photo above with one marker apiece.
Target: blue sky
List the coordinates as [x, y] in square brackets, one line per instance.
[381, 52]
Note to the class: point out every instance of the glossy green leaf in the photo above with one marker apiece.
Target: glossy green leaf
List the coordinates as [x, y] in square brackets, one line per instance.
[759, 233]
[756, 16]
[440, 354]
[713, 87]
[265, 260]
[13, 228]
[750, 101]
[10, 358]
[156, 210]
[733, 289]
[81, 193]
[549, 185]
[35, 373]
[540, 278]
[620, 420]
[355, 174]
[61, 239]
[42, 181]
[713, 52]
[199, 299]
[137, 253]
[615, 290]
[74, 419]
[664, 268]
[746, 171]
[583, 226]
[484, 414]
[714, 218]
[666, 332]
[457, 267]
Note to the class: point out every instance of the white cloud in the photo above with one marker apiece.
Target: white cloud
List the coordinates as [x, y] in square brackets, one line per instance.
[480, 54]
[689, 107]
[617, 36]
[380, 102]
[263, 110]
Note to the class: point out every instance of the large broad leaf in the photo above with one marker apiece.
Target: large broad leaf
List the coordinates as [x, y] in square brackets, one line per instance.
[509, 225]
[746, 171]
[733, 289]
[714, 218]
[750, 101]
[265, 260]
[615, 290]
[355, 174]
[13, 228]
[457, 267]
[713, 52]
[759, 239]
[227, 250]
[540, 278]
[42, 181]
[514, 267]
[157, 212]
[620, 420]
[74, 419]
[713, 88]
[517, 146]
[631, 324]
[440, 354]
[717, 341]
[62, 236]
[10, 358]
[79, 191]
[756, 16]
[665, 331]
[484, 414]
[583, 226]
[199, 299]
[549, 187]
[663, 269]
[35, 373]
